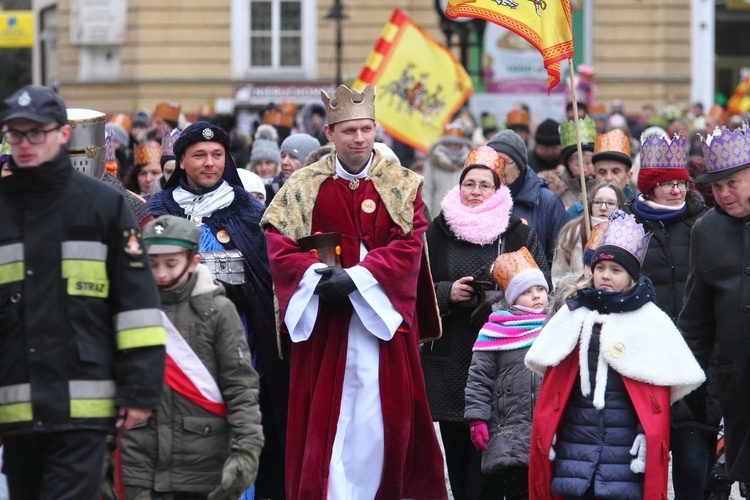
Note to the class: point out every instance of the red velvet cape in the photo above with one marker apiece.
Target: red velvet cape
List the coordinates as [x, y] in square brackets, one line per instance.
[651, 405]
[413, 465]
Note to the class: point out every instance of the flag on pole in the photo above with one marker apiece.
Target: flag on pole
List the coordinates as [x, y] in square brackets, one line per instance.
[545, 24]
[740, 100]
[419, 83]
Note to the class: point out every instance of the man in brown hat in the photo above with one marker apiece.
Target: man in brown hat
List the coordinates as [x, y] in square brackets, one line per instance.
[165, 116]
[358, 414]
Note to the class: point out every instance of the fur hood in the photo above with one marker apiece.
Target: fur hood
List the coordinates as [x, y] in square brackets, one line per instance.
[642, 345]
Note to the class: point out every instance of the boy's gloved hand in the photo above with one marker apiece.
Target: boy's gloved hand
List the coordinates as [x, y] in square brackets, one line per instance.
[638, 464]
[334, 285]
[552, 454]
[479, 434]
[239, 472]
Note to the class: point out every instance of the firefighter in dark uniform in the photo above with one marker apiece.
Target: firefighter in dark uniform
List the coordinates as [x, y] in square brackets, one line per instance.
[81, 336]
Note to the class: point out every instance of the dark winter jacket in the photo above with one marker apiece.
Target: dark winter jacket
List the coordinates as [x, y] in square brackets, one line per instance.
[717, 311]
[540, 208]
[446, 361]
[182, 447]
[594, 445]
[501, 391]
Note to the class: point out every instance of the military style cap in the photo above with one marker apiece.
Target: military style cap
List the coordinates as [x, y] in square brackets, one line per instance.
[170, 234]
[36, 103]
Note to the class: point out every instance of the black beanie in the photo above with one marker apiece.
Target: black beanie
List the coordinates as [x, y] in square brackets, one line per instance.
[619, 256]
[548, 133]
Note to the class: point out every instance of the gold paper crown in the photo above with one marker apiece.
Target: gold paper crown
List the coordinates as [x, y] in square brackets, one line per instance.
[168, 111]
[519, 117]
[508, 265]
[615, 140]
[587, 131]
[487, 157]
[346, 104]
[122, 120]
[148, 153]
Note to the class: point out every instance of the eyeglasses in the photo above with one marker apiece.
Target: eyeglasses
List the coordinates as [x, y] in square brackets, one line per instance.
[667, 187]
[609, 203]
[34, 136]
[485, 188]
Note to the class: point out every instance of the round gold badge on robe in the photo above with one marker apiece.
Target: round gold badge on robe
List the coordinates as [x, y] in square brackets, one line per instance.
[223, 236]
[617, 349]
[368, 206]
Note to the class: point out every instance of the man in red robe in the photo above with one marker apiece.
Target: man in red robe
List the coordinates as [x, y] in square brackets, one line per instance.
[359, 424]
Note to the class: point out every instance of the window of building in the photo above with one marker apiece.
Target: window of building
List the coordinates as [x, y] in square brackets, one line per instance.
[273, 39]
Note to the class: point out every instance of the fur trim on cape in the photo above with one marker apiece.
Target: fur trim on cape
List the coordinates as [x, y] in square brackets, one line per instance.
[480, 225]
[642, 345]
[291, 210]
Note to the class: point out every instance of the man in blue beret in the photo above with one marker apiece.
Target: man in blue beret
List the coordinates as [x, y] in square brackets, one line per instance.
[206, 189]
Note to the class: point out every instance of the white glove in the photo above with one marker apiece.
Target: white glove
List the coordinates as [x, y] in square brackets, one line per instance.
[638, 450]
[552, 454]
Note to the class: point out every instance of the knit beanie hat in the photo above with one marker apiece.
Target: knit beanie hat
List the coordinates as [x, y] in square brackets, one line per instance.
[263, 149]
[511, 144]
[299, 146]
[619, 256]
[548, 133]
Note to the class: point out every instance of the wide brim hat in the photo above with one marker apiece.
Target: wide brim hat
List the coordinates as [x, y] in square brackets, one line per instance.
[613, 145]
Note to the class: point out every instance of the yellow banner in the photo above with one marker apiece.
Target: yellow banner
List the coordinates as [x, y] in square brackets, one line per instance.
[419, 83]
[545, 24]
[16, 28]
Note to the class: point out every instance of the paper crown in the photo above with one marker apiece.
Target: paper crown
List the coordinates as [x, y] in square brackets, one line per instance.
[4, 150]
[109, 146]
[624, 232]
[282, 116]
[587, 130]
[487, 157]
[518, 118]
[346, 104]
[614, 145]
[148, 153]
[168, 111]
[726, 152]
[595, 239]
[168, 140]
[663, 152]
[508, 265]
[122, 120]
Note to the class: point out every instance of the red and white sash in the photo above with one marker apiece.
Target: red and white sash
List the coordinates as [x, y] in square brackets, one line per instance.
[186, 374]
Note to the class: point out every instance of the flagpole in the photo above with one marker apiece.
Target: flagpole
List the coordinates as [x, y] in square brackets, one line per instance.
[581, 173]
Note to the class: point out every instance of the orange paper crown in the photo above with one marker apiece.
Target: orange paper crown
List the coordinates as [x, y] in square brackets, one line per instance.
[487, 157]
[517, 117]
[615, 140]
[508, 265]
[168, 111]
[122, 120]
[148, 153]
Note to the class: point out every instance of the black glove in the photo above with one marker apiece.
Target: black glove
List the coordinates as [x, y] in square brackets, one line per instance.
[483, 309]
[481, 283]
[335, 284]
[697, 402]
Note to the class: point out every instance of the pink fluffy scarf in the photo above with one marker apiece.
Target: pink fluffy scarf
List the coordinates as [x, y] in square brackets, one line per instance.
[482, 224]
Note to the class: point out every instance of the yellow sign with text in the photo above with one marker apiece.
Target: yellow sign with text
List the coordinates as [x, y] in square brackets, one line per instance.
[16, 29]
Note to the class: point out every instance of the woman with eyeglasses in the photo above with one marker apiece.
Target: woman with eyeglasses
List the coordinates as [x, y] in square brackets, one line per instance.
[603, 199]
[668, 208]
[474, 226]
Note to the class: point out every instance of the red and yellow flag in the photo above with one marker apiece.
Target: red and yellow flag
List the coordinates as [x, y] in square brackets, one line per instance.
[740, 100]
[545, 24]
[419, 83]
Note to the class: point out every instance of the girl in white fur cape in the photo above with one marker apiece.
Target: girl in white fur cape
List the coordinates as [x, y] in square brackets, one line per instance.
[613, 363]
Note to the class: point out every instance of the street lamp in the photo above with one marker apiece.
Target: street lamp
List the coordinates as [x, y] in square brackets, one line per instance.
[337, 14]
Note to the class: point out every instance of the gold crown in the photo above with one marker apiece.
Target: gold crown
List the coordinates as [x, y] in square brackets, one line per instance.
[615, 140]
[148, 153]
[508, 265]
[346, 104]
[587, 130]
[517, 117]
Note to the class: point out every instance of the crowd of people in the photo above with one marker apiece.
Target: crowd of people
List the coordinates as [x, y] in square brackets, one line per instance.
[311, 309]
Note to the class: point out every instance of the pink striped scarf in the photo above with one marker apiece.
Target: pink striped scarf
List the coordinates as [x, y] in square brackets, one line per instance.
[505, 331]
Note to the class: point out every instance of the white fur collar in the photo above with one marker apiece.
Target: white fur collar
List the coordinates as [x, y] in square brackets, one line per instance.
[642, 345]
[204, 283]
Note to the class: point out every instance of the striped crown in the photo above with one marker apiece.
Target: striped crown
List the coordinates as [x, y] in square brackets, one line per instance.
[661, 152]
[587, 130]
[725, 149]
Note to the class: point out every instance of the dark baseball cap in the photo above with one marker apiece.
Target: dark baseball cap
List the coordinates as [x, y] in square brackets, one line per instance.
[35, 103]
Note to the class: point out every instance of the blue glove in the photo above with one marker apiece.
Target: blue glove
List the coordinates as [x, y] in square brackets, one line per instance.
[336, 284]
